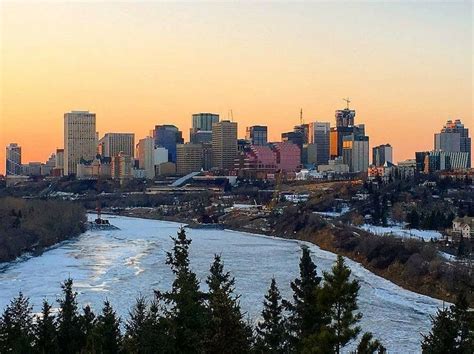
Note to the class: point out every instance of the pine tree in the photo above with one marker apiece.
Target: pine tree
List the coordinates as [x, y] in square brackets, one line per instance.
[227, 330]
[108, 331]
[442, 338]
[16, 327]
[134, 327]
[70, 336]
[45, 331]
[271, 332]
[186, 311]
[452, 331]
[87, 323]
[368, 345]
[307, 315]
[341, 298]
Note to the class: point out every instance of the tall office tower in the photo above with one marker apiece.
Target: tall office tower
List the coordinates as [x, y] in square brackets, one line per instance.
[319, 134]
[204, 121]
[257, 134]
[454, 137]
[224, 144]
[345, 117]
[381, 154]
[168, 136]
[356, 152]
[13, 160]
[80, 140]
[201, 130]
[113, 143]
[189, 158]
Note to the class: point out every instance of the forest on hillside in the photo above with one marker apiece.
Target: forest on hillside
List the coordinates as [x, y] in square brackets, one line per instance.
[28, 225]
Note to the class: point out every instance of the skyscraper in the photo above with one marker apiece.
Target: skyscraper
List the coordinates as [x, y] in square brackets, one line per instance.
[381, 154]
[168, 136]
[356, 152]
[13, 160]
[113, 143]
[204, 121]
[201, 130]
[189, 158]
[318, 134]
[345, 117]
[224, 144]
[80, 141]
[257, 134]
[454, 137]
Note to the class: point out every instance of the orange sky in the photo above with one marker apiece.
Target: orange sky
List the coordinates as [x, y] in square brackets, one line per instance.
[407, 67]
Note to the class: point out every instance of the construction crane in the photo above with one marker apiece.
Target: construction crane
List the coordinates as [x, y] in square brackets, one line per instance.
[347, 101]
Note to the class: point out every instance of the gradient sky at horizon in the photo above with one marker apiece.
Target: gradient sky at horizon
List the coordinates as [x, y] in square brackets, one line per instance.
[407, 67]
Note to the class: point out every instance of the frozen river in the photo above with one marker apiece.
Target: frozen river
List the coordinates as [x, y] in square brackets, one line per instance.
[119, 265]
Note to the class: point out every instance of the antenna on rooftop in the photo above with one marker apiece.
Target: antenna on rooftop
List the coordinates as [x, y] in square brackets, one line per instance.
[301, 116]
[347, 101]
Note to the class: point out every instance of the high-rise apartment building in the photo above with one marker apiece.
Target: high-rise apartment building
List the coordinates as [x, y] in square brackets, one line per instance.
[319, 134]
[122, 167]
[80, 140]
[113, 143]
[224, 144]
[168, 136]
[189, 158]
[13, 160]
[257, 134]
[356, 152]
[381, 154]
[454, 137]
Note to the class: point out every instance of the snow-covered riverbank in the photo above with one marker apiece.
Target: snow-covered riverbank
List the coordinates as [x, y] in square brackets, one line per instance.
[119, 265]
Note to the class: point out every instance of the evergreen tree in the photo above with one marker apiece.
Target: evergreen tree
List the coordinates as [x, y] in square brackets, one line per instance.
[307, 315]
[227, 330]
[368, 345]
[442, 339]
[271, 332]
[341, 297]
[135, 326]
[87, 324]
[108, 331]
[186, 311]
[453, 330]
[70, 336]
[16, 327]
[45, 331]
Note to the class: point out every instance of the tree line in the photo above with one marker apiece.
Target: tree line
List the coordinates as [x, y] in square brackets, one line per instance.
[321, 317]
[31, 225]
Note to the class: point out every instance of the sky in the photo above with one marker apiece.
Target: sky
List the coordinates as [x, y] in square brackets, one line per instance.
[406, 66]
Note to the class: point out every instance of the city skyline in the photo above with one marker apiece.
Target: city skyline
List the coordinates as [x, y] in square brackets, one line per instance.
[193, 58]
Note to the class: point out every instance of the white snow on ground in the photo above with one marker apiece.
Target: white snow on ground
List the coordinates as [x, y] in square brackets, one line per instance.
[120, 265]
[399, 231]
[447, 256]
[333, 214]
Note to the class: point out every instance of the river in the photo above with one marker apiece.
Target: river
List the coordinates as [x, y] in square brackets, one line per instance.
[120, 265]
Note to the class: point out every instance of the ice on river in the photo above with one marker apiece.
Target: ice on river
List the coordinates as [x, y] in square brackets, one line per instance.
[120, 265]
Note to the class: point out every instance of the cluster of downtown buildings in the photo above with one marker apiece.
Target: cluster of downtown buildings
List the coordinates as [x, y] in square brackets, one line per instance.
[310, 150]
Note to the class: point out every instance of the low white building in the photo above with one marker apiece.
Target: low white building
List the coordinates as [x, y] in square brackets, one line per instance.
[463, 227]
